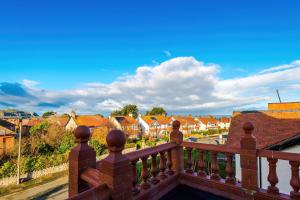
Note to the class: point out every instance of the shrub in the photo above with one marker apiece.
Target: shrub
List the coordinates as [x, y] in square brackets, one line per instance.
[98, 147]
[8, 169]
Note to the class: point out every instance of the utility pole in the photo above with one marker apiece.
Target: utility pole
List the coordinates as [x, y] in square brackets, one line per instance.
[278, 95]
[19, 151]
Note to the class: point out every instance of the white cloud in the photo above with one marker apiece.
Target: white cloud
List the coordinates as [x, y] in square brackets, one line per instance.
[294, 64]
[167, 53]
[30, 83]
[181, 84]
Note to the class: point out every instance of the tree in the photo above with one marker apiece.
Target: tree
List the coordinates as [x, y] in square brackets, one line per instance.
[130, 109]
[157, 111]
[48, 114]
[126, 110]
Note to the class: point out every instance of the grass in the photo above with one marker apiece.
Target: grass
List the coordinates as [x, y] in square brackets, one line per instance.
[31, 183]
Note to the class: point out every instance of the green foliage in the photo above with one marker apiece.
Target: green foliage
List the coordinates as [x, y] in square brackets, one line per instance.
[67, 142]
[8, 169]
[157, 111]
[98, 147]
[44, 149]
[48, 114]
[40, 128]
[126, 110]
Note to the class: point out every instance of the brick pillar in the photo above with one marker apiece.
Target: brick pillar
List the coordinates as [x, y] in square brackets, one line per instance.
[81, 157]
[115, 169]
[177, 153]
[249, 161]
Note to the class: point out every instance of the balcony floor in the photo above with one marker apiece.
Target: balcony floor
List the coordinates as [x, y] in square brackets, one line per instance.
[184, 192]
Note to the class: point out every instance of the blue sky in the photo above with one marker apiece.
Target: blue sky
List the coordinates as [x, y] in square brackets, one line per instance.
[63, 45]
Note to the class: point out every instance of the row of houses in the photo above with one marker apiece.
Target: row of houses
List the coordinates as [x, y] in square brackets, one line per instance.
[142, 125]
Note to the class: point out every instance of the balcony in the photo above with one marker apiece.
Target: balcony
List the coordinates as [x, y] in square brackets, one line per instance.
[175, 170]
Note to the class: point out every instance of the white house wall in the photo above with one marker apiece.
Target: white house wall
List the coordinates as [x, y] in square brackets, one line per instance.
[71, 125]
[144, 125]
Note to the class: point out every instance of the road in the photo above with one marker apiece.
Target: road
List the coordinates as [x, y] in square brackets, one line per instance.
[54, 190]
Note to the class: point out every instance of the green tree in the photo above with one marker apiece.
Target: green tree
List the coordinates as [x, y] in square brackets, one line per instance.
[126, 110]
[157, 111]
[48, 114]
[130, 109]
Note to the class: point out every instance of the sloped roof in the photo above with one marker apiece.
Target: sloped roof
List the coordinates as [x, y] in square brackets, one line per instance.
[186, 120]
[150, 119]
[206, 120]
[63, 120]
[126, 120]
[31, 121]
[91, 120]
[225, 120]
[270, 127]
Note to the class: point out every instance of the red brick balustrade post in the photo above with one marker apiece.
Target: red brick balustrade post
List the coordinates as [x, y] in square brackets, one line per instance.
[214, 166]
[229, 169]
[169, 163]
[177, 153]
[145, 185]
[189, 162]
[80, 158]
[135, 189]
[162, 165]
[249, 160]
[201, 163]
[272, 177]
[115, 169]
[154, 170]
[295, 182]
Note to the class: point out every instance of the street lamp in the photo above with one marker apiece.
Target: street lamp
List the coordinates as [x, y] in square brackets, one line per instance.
[19, 150]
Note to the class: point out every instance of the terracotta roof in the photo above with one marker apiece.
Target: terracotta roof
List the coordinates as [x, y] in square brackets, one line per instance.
[225, 120]
[91, 120]
[31, 121]
[63, 120]
[270, 127]
[186, 120]
[126, 120]
[150, 119]
[206, 120]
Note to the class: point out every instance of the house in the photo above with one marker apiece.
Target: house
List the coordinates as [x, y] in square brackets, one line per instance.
[126, 123]
[7, 137]
[155, 125]
[92, 121]
[224, 122]
[275, 129]
[206, 123]
[188, 123]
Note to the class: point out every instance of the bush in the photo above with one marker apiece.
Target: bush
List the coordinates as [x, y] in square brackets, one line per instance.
[98, 147]
[68, 141]
[8, 169]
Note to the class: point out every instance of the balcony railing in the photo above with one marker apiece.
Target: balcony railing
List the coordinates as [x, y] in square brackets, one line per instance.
[153, 172]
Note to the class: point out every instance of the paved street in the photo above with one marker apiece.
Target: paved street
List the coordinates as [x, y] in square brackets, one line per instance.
[57, 189]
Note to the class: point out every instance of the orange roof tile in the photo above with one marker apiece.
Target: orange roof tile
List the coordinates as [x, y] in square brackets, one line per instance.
[225, 120]
[150, 119]
[31, 121]
[186, 120]
[63, 120]
[206, 120]
[91, 120]
[270, 127]
[126, 120]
